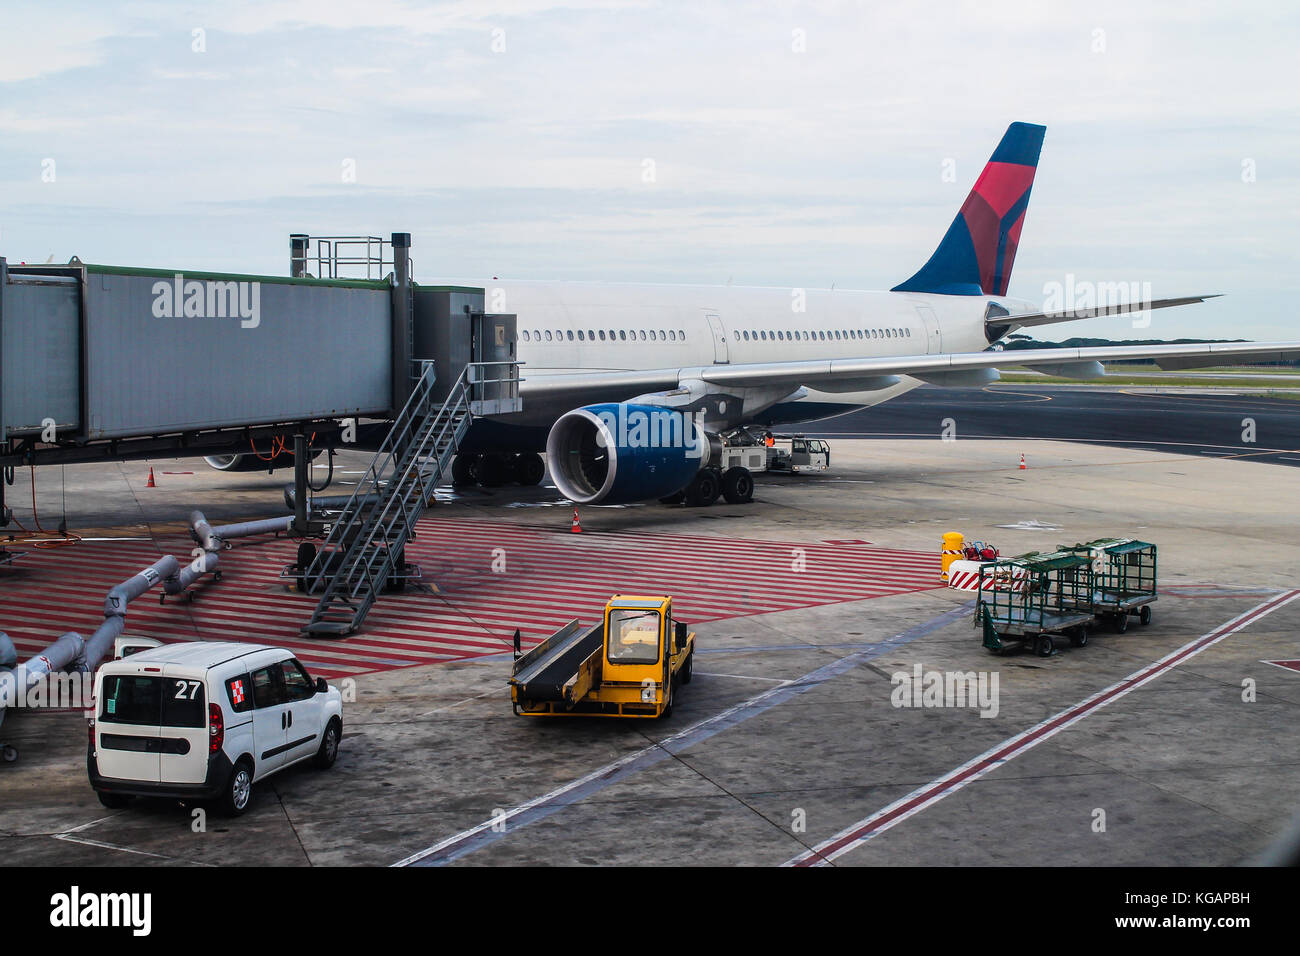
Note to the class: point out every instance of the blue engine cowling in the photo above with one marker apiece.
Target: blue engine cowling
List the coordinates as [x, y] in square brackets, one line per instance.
[613, 454]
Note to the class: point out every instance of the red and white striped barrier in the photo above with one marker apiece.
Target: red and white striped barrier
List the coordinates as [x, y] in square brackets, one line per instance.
[965, 576]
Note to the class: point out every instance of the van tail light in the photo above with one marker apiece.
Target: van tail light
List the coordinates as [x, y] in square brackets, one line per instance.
[90, 725]
[216, 729]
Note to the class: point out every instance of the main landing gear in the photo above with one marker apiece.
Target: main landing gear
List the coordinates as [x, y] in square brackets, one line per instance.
[735, 485]
[495, 470]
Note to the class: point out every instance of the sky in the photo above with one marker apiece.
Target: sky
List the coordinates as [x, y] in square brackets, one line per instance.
[784, 144]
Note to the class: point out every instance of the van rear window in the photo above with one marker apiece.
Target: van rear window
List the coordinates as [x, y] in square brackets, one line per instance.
[131, 700]
[153, 701]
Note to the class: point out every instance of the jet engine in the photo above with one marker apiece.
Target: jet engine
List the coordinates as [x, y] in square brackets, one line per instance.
[618, 453]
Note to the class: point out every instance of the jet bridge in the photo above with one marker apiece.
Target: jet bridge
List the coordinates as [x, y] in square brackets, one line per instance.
[114, 362]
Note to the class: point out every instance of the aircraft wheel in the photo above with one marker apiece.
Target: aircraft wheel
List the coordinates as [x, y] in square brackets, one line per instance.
[738, 486]
[492, 471]
[462, 470]
[703, 489]
[529, 469]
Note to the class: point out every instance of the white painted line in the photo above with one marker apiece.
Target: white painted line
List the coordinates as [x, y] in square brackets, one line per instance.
[68, 836]
[774, 680]
[596, 774]
[931, 793]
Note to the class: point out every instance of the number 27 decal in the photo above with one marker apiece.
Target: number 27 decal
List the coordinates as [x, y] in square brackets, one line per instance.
[190, 686]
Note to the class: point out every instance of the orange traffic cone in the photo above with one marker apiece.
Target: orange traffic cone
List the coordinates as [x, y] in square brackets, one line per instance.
[577, 528]
[151, 483]
[1023, 466]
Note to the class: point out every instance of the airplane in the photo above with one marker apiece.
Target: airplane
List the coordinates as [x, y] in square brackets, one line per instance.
[595, 355]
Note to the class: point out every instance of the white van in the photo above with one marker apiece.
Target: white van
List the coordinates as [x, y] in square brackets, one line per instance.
[205, 721]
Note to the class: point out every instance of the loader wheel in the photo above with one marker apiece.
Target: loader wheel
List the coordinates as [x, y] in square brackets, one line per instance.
[1145, 614]
[688, 668]
[1044, 646]
[738, 486]
[1120, 622]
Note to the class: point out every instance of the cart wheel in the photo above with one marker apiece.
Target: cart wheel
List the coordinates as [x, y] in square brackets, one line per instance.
[9, 753]
[1120, 622]
[1145, 614]
[1080, 637]
[1044, 646]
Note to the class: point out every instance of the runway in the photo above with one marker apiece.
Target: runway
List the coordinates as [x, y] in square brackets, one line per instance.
[1185, 422]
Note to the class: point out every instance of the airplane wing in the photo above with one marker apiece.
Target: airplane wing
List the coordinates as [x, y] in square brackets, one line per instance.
[946, 367]
[1073, 315]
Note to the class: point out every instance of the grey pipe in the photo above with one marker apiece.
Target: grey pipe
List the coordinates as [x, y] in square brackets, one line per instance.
[319, 503]
[134, 586]
[201, 532]
[191, 572]
[248, 528]
[115, 609]
[58, 656]
[8, 653]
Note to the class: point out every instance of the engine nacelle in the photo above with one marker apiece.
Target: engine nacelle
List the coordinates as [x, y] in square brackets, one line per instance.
[618, 453]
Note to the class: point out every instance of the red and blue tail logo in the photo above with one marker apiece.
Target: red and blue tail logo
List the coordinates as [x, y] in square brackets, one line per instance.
[977, 252]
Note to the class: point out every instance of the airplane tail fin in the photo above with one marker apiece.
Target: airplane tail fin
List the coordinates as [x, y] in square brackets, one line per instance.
[977, 252]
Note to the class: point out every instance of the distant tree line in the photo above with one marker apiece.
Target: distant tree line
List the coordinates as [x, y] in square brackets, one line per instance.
[1018, 340]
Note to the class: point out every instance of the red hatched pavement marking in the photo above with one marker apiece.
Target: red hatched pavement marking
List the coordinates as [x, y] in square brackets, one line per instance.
[1285, 665]
[490, 578]
[930, 794]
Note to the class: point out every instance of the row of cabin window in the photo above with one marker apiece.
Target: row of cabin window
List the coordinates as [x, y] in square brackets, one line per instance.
[621, 335]
[822, 335]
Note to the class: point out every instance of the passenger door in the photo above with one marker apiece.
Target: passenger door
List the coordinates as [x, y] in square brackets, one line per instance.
[270, 726]
[933, 335]
[720, 353]
[304, 711]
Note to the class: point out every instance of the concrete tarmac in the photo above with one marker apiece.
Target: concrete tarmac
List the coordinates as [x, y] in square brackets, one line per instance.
[789, 737]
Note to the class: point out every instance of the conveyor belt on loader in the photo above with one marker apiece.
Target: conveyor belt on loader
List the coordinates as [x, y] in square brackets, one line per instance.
[548, 669]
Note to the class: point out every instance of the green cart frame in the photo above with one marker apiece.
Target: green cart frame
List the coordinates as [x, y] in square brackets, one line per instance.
[1124, 572]
[1033, 597]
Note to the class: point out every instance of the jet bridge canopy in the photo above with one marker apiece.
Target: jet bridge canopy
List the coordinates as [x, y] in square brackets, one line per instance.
[163, 359]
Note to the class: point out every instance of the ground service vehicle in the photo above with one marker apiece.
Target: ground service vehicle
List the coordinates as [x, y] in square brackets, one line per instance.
[798, 455]
[628, 665]
[206, 721]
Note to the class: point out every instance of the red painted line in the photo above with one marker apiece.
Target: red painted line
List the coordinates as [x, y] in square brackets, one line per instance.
[955, 780]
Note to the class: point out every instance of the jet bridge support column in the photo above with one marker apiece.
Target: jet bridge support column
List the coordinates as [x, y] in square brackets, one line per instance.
[301, 462]
[403, 327]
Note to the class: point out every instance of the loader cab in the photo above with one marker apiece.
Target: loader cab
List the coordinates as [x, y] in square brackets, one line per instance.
[635, 631]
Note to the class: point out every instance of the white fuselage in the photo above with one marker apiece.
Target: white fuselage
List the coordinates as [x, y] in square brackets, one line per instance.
[568, 328]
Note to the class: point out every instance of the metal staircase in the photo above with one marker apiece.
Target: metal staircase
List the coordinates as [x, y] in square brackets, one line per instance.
[365, 546]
